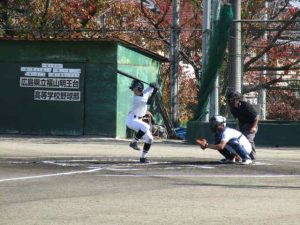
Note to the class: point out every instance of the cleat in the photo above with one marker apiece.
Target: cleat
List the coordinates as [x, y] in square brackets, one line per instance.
[237, 158]
[246, 162]
[144, 160]
[134, 146]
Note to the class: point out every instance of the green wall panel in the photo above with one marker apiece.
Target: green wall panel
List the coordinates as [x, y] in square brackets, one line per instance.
[65, 51]
[33, 105]
[9, 98]
[100, 107]
[92, 114]
[104, 95]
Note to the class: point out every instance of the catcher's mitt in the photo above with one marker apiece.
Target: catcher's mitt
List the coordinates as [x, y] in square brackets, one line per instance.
[202, 142]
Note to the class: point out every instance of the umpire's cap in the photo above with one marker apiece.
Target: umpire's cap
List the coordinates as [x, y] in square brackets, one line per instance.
[233, 95]
[138, 84]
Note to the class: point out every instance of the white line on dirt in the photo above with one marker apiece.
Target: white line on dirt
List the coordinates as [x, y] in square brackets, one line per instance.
[151, 175]
[201, 175]
[50, 175]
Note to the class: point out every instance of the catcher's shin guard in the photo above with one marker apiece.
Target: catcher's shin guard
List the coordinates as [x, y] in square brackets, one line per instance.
[227, 154]
[253, 154]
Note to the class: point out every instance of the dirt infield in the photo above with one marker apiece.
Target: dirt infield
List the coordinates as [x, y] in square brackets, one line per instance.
[100, 181]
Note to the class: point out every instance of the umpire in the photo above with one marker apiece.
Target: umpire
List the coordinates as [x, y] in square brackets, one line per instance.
[246, 115]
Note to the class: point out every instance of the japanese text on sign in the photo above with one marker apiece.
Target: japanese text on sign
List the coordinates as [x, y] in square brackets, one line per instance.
[52, 76]
[56, 95]
[49, 82]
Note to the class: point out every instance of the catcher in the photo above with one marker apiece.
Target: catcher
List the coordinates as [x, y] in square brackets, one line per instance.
[229, 142]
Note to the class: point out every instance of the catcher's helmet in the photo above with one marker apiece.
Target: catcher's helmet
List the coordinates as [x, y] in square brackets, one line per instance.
[233, 95]
[216, 120]
[138, 84]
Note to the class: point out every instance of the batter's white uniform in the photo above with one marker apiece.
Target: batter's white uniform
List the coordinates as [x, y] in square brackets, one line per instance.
[137, 111]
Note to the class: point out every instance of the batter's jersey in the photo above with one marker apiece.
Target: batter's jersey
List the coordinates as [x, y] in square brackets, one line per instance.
[229, 134]
[139, 103]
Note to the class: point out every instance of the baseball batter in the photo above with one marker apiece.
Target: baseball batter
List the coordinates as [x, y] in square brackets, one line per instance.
[140, 100]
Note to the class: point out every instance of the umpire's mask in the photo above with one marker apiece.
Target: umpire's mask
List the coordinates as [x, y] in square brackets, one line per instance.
[215, 121]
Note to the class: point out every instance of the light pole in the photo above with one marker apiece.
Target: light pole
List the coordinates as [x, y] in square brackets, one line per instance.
[206, 29]
[235, 49]
[174, 60]
[214, 96]
[262, 92]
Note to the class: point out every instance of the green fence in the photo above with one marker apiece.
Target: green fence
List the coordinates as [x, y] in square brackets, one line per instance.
[270, 133]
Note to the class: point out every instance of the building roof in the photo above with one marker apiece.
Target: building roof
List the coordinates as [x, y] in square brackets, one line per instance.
[121, 42]
[142, 50]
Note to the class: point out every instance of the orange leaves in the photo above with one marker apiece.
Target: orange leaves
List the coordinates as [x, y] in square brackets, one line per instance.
[283, 105]
[292, 11]
[91, 10]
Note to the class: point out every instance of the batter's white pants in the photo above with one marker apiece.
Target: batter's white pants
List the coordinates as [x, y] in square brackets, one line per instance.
[137, 124]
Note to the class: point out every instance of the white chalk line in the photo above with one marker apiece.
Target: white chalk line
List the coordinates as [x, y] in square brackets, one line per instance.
[151, 175]
[129, 168]
[50, 175]
[201, 175]
[148, 175]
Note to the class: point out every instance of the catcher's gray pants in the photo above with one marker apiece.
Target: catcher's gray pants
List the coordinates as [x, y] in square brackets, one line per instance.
[245, 130]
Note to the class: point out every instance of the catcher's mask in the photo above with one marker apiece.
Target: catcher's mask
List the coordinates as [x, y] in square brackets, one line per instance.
[215, 121]
[138, 84]
[232, 95]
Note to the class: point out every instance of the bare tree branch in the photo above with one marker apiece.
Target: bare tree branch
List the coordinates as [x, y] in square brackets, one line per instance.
[44, 19]
[156, 25]
[281, 10]
[271, 68]
[267, 85]
[183, 55]
[272, 42]
[4, 16]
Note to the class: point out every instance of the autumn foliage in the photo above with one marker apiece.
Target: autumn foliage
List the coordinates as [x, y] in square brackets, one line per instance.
[271, 51]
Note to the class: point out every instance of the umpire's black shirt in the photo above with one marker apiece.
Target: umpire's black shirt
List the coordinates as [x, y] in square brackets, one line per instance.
[245, 113]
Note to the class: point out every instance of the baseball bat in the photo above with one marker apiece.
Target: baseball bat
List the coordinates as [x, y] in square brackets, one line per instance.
[132, 77]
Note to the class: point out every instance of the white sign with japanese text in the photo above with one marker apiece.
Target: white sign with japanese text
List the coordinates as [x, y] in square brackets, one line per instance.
[52, 76]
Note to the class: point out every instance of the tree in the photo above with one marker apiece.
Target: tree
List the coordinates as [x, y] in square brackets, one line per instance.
[282, 47]
[278, 45]
[133, 21]
[37, 18]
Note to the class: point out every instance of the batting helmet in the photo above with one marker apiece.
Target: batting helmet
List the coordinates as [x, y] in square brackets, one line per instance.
[138, 84]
